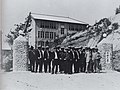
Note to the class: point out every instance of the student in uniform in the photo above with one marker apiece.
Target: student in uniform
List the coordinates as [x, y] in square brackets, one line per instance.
[62, 60]
[39, 61]
[55, 61]
[82, 61]
[32, 58]
[47, 63]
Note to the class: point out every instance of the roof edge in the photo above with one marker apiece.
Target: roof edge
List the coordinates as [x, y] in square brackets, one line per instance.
[60, 16]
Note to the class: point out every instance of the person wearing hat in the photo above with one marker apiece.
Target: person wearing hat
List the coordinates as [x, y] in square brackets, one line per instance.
[31, 55]
[82, 62]
[72, 59]
[47, 62]
[76, 52]
[67, 62]
[55, 62]
[62, 60]
[77, 55]
[96, 59]
[39, 62]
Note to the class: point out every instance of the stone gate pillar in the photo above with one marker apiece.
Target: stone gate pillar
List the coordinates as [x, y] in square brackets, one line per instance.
[106, 53]
[20, 53]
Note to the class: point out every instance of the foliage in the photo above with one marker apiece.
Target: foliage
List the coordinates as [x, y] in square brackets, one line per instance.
[115, 26]
[117, 10]
[25, 27]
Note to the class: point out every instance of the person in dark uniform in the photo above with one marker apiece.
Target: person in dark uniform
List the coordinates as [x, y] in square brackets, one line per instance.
[75, 60]
[78, 59]
[32, 58]
[62, 56]
[39, 62]
[76, 64]
[43, 50]
[91, 62]
[51, 56]
[72, 58]
[55, 61]
[82, 61]
[49, 60]
[47, 63]
[59, 63]
[67, 62]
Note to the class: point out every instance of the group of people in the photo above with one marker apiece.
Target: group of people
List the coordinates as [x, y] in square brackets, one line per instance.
[67, 60]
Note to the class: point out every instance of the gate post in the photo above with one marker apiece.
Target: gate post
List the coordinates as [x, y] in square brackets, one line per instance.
[20, 54]
[106, 51]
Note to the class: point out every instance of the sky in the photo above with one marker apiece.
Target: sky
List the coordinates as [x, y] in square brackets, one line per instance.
[89, 11]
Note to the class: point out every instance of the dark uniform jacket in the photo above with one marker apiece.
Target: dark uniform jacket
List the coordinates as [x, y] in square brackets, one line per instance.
[58, 54]
[47, 54]
[72, 56]
[68, 56]
[62, 55]
[31, 55]
[38, 54]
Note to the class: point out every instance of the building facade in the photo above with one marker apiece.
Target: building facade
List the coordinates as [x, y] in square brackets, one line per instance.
[47, 28]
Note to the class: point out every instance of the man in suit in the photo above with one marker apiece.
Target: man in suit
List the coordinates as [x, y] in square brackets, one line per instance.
[32, 58]
[82, 62]
[62, 60]
[47, 63]
[67, 61]
[72, 59]
[55, 61]
[77, 58]
[39, 62]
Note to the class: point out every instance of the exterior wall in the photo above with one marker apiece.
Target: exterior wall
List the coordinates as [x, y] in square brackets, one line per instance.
[106, 51]
[37, 38]
[7, 56]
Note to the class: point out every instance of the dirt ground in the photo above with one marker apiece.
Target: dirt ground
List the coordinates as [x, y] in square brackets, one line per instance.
[45, 81]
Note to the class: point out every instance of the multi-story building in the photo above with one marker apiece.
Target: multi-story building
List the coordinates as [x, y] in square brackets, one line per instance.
[46, 28]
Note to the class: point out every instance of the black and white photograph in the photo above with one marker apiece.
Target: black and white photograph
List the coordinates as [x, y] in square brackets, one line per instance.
[60, 45]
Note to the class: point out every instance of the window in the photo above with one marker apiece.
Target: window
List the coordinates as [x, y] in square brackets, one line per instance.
[38, 34]
[62, 30]
[48, 24]
[42, 43]
[51, 35]
[46, 34]
[39, 43]
[54, 35]
[42, 24]
[42, 34]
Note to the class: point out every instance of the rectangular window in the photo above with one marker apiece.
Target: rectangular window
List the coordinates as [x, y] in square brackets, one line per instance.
[69, 27]
[42, 43]
[42, 34]
[62, 30]
[51, 35]
[42, 24]
[39, 43]
[54, 35]
[46, 34]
